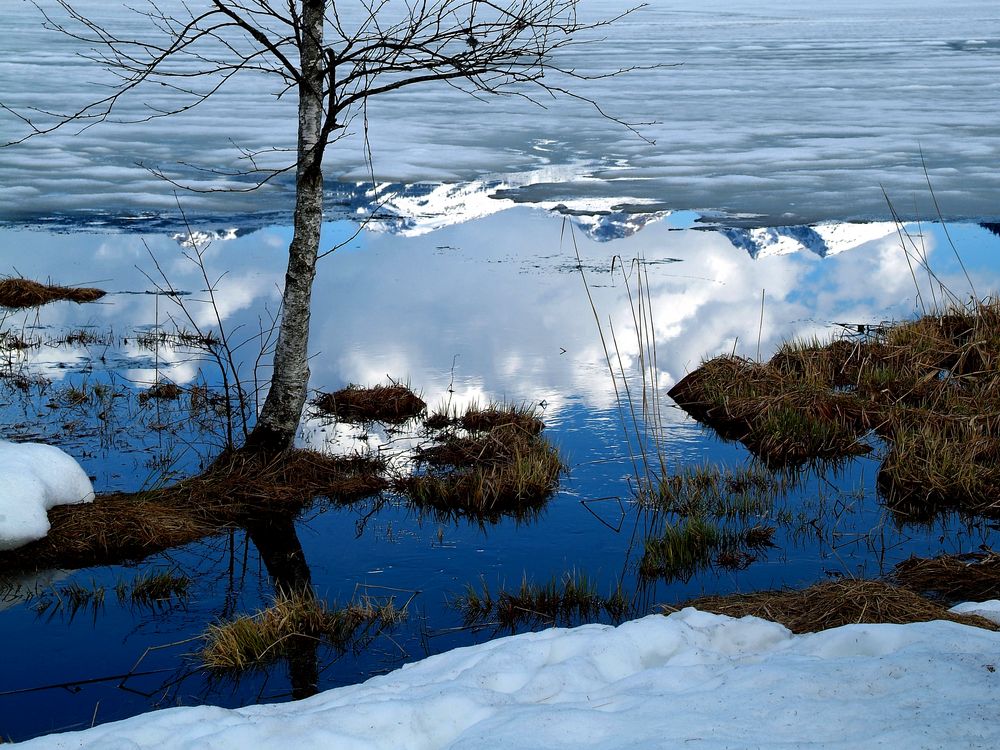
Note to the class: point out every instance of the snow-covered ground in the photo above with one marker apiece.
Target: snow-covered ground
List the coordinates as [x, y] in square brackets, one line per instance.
[692, 680]
[33, 478]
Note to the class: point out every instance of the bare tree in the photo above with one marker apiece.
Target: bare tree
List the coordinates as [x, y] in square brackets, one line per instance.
[334, 56]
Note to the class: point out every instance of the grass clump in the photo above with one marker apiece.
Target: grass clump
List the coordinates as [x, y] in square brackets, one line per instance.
[253, 641]
[930, 388]
[161, 391]
[570, 599]
[831, 604]
[786, 421]
[973, 576]
[391, 404]
[498, 465]
[18, 293]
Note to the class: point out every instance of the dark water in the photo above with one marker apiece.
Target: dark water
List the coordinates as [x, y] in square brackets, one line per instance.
[492, 309]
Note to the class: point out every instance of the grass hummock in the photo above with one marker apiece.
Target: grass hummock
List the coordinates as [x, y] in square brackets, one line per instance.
[392, 404]
[253, 641]
[929, 388]
[17, 293]
[485, 463]
[831, 604]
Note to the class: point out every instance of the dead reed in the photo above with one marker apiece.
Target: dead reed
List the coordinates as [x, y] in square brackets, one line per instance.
[974, 576]
[831, 604]
[17, 293]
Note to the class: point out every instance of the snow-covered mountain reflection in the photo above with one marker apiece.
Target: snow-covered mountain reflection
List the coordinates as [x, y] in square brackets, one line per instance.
[496, 307]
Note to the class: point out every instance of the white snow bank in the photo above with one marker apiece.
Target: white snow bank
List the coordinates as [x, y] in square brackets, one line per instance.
[33, 478]
[689, 680]
[990, 610]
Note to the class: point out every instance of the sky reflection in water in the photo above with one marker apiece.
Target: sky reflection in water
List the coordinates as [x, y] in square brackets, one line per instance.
[490, 309]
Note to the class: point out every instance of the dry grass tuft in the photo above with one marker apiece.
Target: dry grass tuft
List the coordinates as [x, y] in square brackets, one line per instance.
[381, 403]
[974, 576]
[17, 293]
[254, 641]
[929, 387]
[832, 604]
[122, 526]
[502, 466]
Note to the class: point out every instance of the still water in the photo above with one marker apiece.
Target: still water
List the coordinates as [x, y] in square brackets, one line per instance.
[493, 309]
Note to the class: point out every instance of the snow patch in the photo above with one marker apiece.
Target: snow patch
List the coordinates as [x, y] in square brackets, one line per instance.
[990, 610]
[692, 677]
[33, 478]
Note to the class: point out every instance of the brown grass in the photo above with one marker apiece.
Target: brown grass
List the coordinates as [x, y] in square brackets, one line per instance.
[254, 641]
[974, 576]
[507, 468]
[832, 604]
[122, 526]
[486, 418]
[929, 387]
[381, 403]
[17, 293]
[161, 392]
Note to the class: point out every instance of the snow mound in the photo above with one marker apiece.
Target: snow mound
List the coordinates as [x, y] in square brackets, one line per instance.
[688, 680]
[990, 610]
[33, 478]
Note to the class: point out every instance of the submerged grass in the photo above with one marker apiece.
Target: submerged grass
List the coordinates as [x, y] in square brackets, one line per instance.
[722, 493]
[154, 589]
[71, 599]
[570, 599]
[253, 641]
[685, 548]
[832, 604]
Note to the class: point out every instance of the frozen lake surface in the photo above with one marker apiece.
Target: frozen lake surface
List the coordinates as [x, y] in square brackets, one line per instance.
[776, 113]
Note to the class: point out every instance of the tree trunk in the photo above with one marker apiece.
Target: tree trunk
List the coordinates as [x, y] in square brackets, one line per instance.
[282, 410]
